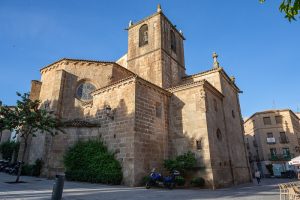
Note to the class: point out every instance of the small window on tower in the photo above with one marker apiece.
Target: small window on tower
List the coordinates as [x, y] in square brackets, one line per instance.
[219, 134]
[143, 35]
[158, 109]
[173, 41]
[199, 144]
[215, 105]
[233, 114]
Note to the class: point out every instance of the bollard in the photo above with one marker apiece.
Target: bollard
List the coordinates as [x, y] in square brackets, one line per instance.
[58, 187]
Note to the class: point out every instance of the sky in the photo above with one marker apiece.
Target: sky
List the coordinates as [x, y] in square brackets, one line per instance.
[254, 41]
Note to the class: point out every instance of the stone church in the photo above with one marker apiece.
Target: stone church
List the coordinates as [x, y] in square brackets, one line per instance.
[145, 108]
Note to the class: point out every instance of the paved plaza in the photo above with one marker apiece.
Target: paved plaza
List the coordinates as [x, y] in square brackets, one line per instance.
[39, 188]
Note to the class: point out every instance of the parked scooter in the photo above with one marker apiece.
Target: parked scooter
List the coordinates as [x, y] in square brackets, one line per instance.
[13, 170]
[156, 179]
[3, 165]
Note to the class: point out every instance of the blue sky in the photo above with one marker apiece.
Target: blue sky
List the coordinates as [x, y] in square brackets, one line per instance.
[254, 41]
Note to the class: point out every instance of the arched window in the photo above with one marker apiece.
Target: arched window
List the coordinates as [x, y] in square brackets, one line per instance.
[173, 41]
[219, 134]
[143, 35]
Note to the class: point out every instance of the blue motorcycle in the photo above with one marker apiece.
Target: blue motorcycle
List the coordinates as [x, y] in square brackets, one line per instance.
[156, 179]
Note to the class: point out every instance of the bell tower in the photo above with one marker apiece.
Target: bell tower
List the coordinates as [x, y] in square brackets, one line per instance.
[155, 50]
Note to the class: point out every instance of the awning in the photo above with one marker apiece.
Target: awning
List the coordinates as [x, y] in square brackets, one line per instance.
[295, 161]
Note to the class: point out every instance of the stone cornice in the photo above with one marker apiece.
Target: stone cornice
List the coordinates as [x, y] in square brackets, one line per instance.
[186, 86]
[79, 123]
[200, 74]
[271, 111]
[36, 81]
[81, 61]
[128, 80]
[220, 70]
[213, 89]
[153, 86]
[190, 85]
[153, 15]
[131, 79]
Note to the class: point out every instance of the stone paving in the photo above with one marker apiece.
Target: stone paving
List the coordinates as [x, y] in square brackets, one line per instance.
[39, 188]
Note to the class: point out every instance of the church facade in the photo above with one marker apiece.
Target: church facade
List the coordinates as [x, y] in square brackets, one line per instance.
[146, 109]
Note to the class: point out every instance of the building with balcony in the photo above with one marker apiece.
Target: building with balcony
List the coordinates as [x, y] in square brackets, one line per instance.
[272, 137]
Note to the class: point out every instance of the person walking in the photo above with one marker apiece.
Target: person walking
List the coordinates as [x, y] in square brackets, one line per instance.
[257, 176]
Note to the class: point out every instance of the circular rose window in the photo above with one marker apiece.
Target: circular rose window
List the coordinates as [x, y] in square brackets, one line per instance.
[84, 91]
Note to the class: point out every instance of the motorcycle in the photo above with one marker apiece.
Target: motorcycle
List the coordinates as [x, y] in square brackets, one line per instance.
[156, 179]
[13, 170]
[3, 165]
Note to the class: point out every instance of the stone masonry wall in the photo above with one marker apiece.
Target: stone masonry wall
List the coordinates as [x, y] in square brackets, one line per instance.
[58, 93]
[155, 61]
[151, 126]
[233, 120]
[235, 131]
[146, 60]
[188, 124]
[117, 133]
[173, 66]
[218, 141]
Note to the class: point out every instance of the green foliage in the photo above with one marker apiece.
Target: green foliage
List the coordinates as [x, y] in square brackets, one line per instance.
[90, 161]
[145, 179]
[33, 170]
[270, 169]
[179, 180]
[181, 163]
[8, 148]
[37, 167]
[198, 182]
[291, 8]
[27, 170]
[27, 119]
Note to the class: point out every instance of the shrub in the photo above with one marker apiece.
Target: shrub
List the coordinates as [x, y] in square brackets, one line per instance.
[32, 170]
[179, 180]
[145, 179]
[270, 169]
[90, 161]
[27, 170]
[37, 167]
[8, 148]
[181, 163]
[198, 182]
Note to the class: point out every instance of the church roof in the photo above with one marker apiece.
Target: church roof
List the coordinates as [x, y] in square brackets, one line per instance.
[195, 84]
[78, 60]
[220, 69]
[84, 60]
[130, 78]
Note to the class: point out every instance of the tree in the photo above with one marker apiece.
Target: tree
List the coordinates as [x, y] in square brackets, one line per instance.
[27, 119]
[291, 8]
[181, 163]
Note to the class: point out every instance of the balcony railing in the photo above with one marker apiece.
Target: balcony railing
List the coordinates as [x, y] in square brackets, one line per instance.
[271, 140]
[283, 140]
[280, 157]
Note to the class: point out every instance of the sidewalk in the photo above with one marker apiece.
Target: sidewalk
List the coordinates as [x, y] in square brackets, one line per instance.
[39, 188]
